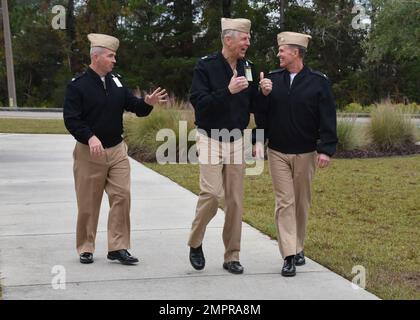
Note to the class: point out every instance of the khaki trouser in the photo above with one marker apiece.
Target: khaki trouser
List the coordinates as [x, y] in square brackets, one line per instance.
[110, 172]
[221, 176]
[292, 177]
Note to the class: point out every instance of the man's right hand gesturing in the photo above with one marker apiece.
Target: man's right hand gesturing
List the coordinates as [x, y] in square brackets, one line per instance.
[237, 84]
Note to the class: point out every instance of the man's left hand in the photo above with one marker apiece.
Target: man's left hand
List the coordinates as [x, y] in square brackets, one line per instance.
[158, 96]
[258, 150]
[265, 84]
[323, 160]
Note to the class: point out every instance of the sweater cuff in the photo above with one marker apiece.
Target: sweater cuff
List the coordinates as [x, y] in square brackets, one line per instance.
[329, 150]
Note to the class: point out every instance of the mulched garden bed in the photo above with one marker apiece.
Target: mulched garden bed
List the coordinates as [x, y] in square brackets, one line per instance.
[372, 153]
[369, 152]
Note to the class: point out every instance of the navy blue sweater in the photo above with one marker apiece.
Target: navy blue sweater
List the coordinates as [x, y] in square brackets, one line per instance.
[300, 118]
[215, 107]
[90, 109]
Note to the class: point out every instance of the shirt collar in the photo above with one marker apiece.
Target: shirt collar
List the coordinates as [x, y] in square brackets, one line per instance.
[96, 76]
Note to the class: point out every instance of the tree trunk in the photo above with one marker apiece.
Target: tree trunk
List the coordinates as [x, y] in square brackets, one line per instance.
[283, 5]
[71, 36]
[183, 11]
[227, 8]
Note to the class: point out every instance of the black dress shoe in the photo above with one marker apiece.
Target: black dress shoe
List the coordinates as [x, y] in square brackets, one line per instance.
[300, 259]
[197, 258]
[289, 269]
[122, 256]
[233, 267]
[86, 257]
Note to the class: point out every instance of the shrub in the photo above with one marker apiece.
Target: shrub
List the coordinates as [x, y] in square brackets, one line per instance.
[347, 135]
[411, 108]
[369, 108]
[390, 128]
[353, 108]
[415, 107]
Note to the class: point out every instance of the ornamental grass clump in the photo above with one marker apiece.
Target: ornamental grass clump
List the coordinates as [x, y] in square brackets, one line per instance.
[348, 138]
[140, 134]
[391, 129]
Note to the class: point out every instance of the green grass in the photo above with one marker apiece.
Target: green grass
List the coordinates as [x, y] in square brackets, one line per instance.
[364, 212]
[41, 126]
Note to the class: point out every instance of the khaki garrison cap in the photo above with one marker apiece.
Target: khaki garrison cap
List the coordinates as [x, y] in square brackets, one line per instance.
[299, 39]
[242, 25]
[104, 41]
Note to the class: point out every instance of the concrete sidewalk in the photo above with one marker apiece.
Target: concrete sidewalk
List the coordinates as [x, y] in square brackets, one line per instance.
[37, 232]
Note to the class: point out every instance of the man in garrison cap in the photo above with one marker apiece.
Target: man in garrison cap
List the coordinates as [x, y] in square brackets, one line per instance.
[299, 119]
[93, 113]
[223, 92]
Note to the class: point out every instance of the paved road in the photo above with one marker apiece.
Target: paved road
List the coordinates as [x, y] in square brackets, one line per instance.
[37, 234]
[31, 115]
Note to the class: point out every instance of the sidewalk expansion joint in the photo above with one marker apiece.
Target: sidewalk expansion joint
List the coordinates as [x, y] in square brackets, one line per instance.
[159, 278]
[99, 231]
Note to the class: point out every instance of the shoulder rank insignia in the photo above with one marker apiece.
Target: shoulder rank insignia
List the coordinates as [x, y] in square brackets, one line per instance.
[276, 71]
[210, 56]
[78, 76]
[323, 75]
